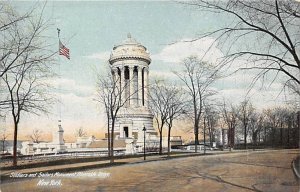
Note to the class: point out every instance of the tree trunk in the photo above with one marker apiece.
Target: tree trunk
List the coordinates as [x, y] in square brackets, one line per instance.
[210, 140]
[112, 148]
[112, 142]
[169, 135]
[259, 132]
[210, 133]
[229, 137]
[232, 135]
[297, 130]
[160, 142]
[273, 137]
[281, 136]
[223, 139]
[254, 139]
[3, 146]
[108, 140]
[245, 137]
[204, 139]
[288, 133]
[196, 138]
[15, 143]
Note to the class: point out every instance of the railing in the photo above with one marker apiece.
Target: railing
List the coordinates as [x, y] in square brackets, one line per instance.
[57, 156]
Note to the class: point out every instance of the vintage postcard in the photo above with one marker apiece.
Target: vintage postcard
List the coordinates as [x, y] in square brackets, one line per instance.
[199, 95]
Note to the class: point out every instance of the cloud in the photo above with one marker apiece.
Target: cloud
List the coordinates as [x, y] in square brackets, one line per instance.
[159, 74]
[65, 86]
[234, 84]
[260, 98]
[104, 56]
[205, 49]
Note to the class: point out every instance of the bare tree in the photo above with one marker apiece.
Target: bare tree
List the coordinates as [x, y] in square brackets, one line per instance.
[197, 76]
[273, 122]
[280, 120]
[230, 117]
[80, 132]
[111, 95]
[159, 104]
[4, 136]
[293, 88]
[167, 104]
[256, 122]
[263, 33]
[175, 108]
[25, 82]
[211, 116]
[292, 124]
[36, 135]
[9, 20]
[245, 112]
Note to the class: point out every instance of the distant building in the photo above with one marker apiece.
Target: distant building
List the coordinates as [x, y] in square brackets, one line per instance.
[174, 141]
[222, 137]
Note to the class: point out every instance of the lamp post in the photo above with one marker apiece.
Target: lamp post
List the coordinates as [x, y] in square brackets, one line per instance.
[144, 129]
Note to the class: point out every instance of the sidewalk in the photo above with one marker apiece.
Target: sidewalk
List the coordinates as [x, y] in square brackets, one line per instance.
[5, 174]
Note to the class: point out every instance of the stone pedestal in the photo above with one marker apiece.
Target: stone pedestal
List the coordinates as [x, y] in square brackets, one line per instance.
[58, 140]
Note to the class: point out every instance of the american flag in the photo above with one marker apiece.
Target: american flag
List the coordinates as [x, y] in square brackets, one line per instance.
[64, 50]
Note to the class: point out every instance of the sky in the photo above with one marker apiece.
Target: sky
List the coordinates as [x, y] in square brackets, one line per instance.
[90, 29]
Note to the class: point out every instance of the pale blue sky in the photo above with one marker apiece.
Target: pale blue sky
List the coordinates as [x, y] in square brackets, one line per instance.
[91, 29]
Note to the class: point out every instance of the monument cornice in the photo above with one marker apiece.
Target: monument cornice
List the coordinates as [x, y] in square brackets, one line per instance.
[146, 59]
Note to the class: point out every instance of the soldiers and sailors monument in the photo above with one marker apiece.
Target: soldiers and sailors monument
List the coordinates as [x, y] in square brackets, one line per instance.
[130, 62]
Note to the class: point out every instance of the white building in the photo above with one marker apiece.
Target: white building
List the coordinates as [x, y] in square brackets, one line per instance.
[130, 62]
[56, 146]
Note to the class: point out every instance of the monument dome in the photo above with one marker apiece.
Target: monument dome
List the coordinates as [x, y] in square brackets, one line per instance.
[129, 49]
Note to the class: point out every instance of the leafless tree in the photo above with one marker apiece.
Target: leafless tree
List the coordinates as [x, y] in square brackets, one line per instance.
[282, 120]
[293, 88]
[111, 96]
[9, 19]
[4, 136]
[245, 112]
[159, 102]
[256, 122]
[211, 116]
[274, 122]
[293, 123]
[197, 77]
[175, 108]
[263, 33]
[26, 90]
[230, 117]
[80, 132]
[36, 135]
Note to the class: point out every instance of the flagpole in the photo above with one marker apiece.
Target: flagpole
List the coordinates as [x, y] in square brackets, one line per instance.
[59, 74]
[64, 51]
[58, 32]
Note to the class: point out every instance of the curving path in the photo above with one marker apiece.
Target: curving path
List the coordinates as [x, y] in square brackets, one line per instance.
[251, 171]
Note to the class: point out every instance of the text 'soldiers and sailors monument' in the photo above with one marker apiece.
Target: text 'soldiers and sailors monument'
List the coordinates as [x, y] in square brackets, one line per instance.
[130, 62]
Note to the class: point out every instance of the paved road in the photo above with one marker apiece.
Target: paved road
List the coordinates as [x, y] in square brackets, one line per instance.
[252, 171]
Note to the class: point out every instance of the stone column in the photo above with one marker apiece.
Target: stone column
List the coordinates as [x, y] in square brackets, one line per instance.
[116, 76]
[131, 85]
[146, 84]
[122, 88]
[140, 88]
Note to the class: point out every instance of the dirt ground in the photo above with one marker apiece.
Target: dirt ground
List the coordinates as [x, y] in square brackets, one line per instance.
[249, 171]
